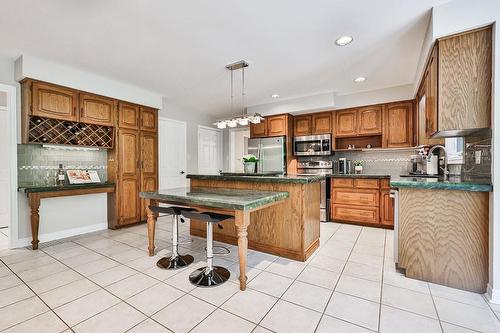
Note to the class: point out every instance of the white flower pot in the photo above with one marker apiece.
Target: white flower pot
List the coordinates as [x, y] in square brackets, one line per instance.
[358, 169]
[249, 167]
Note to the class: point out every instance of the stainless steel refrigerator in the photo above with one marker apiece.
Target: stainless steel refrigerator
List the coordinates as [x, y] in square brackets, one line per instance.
[271, 153]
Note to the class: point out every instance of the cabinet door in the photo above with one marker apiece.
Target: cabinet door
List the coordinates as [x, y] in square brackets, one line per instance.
[149, 166]
[128, 115]
[322, 123]
[149, 119]
[129, 177]
[431, 91]
[259, 130]
[302, 125]
[97, 110]
[399, 125]
[55, 102]
[370, 120]
[277, 125]
[386, 208]
[346, 123]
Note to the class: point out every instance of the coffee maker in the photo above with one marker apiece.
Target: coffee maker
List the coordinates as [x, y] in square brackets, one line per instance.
[418, 165]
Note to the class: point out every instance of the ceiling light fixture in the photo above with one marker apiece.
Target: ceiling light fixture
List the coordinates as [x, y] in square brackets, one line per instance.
[360, 79]
[343, 41]
[275, 96]
[243, 119]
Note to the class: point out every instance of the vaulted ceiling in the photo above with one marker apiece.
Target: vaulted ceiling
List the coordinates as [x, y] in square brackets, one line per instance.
[180, 48]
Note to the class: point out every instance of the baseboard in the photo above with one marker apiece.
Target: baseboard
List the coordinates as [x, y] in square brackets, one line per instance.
[61, 234]
[493, 295]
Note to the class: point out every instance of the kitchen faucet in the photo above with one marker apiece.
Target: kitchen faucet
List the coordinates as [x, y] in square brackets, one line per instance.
[445, 169]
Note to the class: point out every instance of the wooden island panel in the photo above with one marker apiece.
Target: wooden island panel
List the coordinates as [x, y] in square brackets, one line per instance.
[289, 229]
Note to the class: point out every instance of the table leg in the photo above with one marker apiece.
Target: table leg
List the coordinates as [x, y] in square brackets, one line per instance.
[242, 220]
[34, 202]
[151, 226]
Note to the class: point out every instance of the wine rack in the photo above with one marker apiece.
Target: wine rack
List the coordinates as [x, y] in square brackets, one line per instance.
[62, 132]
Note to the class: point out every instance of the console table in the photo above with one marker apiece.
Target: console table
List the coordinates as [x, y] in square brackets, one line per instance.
[35, 193]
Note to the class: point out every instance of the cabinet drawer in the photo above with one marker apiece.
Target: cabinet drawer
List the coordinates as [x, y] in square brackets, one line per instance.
[355, 214]
[342, 182]
[366, 183]
[356, 197]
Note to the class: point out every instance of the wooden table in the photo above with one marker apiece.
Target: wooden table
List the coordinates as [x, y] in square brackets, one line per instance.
[234, 202]
[35, 193]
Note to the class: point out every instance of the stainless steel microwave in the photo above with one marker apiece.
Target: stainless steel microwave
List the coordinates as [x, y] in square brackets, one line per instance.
[312, 145]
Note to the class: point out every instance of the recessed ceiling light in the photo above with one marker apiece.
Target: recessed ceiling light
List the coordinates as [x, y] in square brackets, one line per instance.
[275, 96]
[359, 79]
[343, 41]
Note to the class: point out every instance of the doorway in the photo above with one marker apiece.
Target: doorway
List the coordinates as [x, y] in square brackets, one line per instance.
[238, 147]
[172, 143]
[8, 166]
[209, 150]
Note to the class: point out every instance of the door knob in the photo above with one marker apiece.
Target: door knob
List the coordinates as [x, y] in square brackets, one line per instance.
[182, 172]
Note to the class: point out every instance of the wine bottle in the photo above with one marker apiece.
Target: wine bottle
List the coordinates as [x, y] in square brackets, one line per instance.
[60, 176]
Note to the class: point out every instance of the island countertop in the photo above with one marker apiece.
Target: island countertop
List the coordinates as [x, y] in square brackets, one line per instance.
[473, 185]
[283, 179]
[218, 197]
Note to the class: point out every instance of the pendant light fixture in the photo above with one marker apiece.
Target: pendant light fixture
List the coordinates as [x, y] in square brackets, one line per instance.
[243, 119]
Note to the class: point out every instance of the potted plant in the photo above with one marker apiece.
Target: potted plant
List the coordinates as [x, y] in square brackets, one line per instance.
[358, 167]
[250, 163]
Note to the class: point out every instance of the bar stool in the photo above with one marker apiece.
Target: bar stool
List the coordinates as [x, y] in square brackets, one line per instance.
[175, 260]
[210, 275]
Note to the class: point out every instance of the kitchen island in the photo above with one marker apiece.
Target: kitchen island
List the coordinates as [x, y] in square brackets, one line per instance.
[443, 230]
[289, 229]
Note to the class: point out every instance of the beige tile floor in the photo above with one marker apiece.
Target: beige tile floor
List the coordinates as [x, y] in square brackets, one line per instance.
[105, 282]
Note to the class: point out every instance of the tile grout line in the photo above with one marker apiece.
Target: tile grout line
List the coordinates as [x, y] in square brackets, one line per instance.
[435, 308]
[382, 284]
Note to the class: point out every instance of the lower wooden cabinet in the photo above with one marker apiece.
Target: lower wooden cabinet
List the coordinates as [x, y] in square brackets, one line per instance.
[362, 201]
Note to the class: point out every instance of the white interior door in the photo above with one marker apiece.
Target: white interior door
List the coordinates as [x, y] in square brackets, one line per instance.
[209, 150]
[238, 148]
[172, 153]
[5, 146]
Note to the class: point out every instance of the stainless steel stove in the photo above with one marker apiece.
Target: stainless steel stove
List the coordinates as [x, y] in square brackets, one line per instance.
[319, 168]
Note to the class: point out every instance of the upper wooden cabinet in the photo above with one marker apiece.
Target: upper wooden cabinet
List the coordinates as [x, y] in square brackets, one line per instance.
[302, 125]
[277, 125]
[459, 70]
[148, 119]
[96, 109]
[347, 123]
[370, 120]
[398, 130]
[128, 115]
[259, 130]
[322, 123]
[53, 101]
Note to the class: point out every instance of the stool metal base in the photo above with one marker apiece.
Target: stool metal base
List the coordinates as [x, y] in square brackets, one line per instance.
[175, 263]
[217, 276]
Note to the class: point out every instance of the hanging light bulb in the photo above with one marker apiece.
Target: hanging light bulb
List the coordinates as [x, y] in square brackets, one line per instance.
[221, 124]
[243, 121]
[232, 123]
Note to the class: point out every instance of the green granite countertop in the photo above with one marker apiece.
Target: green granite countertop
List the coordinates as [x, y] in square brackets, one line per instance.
[474, 185]
[362, 176]
[27, 188]
[217, 197]
[294, 179]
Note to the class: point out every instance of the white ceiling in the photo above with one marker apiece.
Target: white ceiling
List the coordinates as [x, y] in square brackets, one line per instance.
[180, 48]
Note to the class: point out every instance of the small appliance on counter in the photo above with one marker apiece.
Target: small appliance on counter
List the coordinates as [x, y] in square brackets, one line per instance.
[319, 168]
[312, 145]
[344, 166]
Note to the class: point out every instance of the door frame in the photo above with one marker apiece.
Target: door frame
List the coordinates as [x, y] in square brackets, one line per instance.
[12, 113]
[220, 144]
[180, 122]
[232, 131]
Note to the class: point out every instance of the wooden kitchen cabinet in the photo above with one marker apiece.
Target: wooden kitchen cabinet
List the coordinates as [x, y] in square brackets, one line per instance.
[97, 109]
[398, 130]
[302, 125]
[322, 123]
[346, 123]
[370, 120]
[148, 166]
[259, 130]
[52, 101]
[128, 115]
[277, 125]
[362, 201]
[149, 119]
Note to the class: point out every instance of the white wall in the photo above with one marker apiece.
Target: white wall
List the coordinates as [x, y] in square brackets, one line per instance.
[392, 94]
[458, 16]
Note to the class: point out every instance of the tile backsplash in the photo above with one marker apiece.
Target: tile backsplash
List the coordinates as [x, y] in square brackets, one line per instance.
[38, 165]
